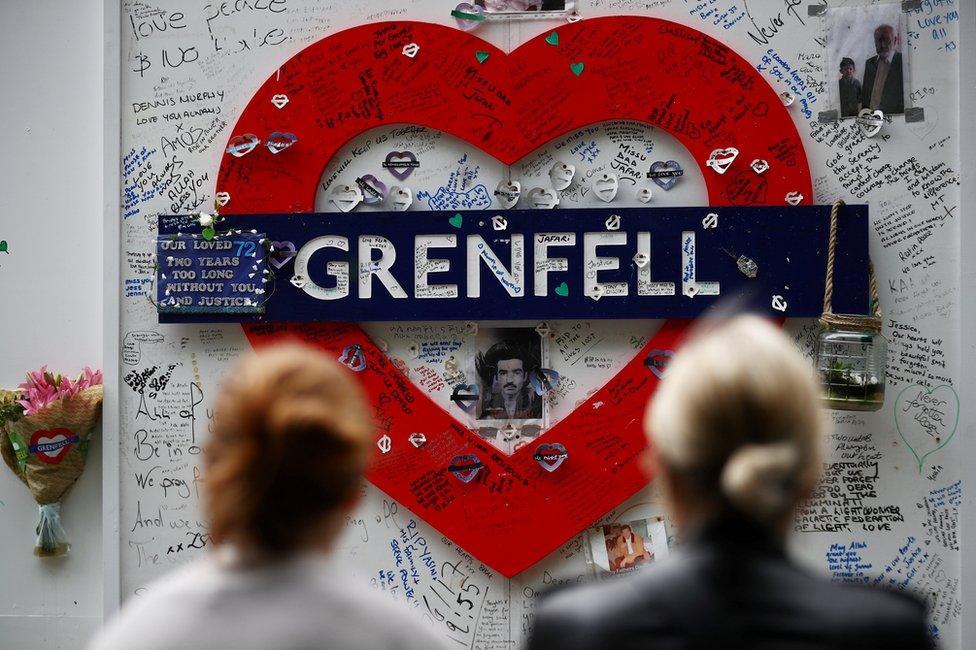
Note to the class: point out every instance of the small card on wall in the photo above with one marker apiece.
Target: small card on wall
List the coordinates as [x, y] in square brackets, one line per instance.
[223, 275]
[626, 546]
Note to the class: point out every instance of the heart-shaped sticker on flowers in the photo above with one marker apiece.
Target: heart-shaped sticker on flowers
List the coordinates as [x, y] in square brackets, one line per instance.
[927, 419]
[50, 446]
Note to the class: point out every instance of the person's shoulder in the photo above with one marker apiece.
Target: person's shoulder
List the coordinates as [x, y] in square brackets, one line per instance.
[390, 622]
[878, 615]
[587, 616]
[144, 611]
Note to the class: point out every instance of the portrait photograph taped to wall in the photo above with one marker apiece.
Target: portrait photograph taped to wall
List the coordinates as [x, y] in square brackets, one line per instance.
[624, 547]
[506, 361]
[515, 7]
[867, 64]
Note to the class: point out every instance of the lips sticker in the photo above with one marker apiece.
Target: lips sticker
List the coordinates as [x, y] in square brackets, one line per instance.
[465, 467]
[50, 446]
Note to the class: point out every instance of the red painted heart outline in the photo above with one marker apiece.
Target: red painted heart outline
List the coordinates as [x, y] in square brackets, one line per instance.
[643, 69]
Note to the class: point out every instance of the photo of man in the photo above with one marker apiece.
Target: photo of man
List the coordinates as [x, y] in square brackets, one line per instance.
[503, 372]
[883, 86]
[869, 36]
[850, 89]
[623, 547]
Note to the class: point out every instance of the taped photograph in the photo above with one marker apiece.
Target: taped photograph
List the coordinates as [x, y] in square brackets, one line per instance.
[866, 67]
[625, 547]
[506, 361]
[525, 8]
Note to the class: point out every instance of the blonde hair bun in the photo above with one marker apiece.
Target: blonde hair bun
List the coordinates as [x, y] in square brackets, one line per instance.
[737, 414]
[759, 479]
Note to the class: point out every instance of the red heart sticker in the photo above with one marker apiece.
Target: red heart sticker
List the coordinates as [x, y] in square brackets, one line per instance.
[50, 446]
[654, 71]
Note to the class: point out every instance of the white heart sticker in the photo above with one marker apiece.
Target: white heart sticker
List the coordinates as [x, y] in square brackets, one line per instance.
[606, 187]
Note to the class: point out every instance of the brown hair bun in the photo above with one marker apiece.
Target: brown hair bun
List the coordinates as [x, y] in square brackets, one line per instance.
[290, 441]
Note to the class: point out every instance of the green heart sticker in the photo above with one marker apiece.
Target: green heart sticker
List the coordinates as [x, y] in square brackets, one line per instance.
[208, 233]
[926, 419]
[577, 68]
[562, 290]
[552, 39]
[481, 55]
[456, 220]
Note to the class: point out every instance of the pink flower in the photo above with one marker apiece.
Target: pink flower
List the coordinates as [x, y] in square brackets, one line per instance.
[43, 388]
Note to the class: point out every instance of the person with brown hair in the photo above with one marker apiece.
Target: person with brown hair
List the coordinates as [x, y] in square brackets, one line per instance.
[736, 431]
[291, 437]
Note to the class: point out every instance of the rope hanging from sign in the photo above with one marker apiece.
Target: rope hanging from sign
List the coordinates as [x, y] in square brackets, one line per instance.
[829, 318]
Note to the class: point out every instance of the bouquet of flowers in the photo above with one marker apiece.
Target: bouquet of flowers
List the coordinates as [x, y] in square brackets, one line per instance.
[45, 430]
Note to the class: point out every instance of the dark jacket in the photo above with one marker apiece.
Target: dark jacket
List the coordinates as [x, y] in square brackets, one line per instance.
[729, 588]
[893, 93]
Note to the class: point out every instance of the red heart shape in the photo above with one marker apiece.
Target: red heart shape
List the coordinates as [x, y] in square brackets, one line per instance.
[642, 69]
[50, 446]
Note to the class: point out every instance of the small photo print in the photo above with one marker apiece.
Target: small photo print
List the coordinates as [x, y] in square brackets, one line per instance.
[525, 6]
[866, 67]
[625, 547]
[505, 363]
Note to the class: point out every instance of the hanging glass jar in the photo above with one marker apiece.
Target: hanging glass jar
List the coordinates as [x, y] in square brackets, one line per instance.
[851, 352]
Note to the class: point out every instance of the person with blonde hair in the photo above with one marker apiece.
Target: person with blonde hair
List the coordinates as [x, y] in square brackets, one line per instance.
[291, 437]
[736, 433]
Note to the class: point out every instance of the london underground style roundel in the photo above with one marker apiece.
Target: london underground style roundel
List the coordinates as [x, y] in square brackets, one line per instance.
[512, 510]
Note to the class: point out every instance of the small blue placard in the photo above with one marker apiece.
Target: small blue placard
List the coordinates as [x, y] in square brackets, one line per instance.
[224, 275]
[551, 264]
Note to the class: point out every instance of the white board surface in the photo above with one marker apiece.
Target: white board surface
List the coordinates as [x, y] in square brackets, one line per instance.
[216, 58]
